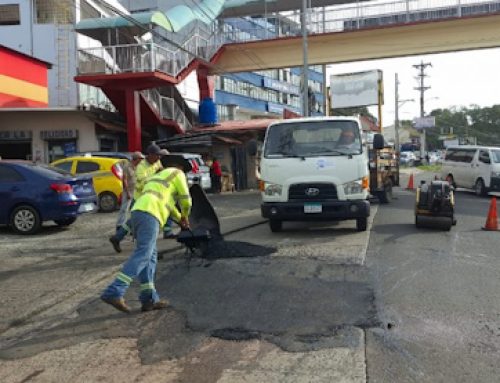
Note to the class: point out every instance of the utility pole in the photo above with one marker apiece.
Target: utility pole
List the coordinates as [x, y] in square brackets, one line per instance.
[396, 124]
[305, 66]
[422, 88]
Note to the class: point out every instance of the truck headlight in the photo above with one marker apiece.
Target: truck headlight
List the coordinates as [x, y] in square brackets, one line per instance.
[356, 187]
[495, 174]
[272, 189]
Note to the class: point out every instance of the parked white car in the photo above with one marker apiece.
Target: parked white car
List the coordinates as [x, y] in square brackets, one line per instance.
[407, 158]
[473, 167]
[200, 173]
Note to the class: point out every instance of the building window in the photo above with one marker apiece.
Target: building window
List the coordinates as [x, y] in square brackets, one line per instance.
[88, 12]
[54, 12]
[9, 14]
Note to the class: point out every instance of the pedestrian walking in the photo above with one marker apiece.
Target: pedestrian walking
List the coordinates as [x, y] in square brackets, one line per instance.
[128, 187]
[151, 211]
[216, 173]
[146, 168]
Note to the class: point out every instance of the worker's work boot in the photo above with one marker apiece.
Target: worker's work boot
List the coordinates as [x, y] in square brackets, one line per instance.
[117, 303]
[150, 306]
[116, 244]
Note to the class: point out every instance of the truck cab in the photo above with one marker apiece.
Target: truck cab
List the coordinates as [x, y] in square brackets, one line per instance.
[315, 169]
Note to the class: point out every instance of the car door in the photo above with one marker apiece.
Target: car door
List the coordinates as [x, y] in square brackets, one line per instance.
[10, 188]
[483, 167]
[469, 167]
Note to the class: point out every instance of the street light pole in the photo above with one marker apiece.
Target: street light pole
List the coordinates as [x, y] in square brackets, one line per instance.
[305, 66]
[396, 125]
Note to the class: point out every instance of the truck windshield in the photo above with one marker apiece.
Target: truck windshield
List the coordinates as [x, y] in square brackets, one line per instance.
[495, 156]
[313, 138]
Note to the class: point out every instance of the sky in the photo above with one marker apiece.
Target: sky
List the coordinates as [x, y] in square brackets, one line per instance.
[456, 79]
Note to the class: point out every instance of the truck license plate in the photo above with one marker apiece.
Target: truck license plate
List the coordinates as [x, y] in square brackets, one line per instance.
[313, 208]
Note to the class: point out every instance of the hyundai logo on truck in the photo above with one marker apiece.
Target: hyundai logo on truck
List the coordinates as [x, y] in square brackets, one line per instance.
[312, 192]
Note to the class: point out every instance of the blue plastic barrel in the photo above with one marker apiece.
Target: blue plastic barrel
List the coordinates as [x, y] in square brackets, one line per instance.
[208, 111]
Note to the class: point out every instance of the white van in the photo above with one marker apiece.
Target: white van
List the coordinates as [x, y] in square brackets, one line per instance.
[308, 173]
[472, 167]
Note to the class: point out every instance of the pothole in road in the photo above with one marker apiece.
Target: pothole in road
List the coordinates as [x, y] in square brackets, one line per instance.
[268, 299]
[298, 305]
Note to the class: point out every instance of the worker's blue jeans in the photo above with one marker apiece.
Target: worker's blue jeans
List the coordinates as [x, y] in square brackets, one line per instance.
[142, 262]
[125, 227]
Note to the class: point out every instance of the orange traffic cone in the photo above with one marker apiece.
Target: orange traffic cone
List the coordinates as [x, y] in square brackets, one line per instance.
[410, 183]
[492, 219]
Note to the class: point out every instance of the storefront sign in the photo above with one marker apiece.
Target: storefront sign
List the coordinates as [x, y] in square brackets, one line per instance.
[280, 86]
[15, 135]
[58, 134]
[69, 148]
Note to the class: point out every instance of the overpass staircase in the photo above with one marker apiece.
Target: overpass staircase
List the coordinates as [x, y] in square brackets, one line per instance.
[153, 67]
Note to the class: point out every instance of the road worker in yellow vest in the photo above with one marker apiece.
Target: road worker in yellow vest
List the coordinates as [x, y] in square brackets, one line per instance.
[151, 211]
[146, 168]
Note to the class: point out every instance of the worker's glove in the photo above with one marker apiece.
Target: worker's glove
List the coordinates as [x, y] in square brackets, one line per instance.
[184, 223]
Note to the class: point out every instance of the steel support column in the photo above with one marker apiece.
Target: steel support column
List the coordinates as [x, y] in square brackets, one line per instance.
[133, 117]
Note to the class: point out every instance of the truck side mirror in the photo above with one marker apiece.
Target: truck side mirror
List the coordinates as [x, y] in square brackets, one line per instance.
[378, 141]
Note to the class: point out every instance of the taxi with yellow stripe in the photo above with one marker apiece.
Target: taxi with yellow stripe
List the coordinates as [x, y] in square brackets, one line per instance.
[107, 174]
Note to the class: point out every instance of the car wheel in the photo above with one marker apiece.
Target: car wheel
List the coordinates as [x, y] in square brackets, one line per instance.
[361, 223]
[275, 225]
[25, 220]
[479, 188]
[65, 221]
[108, 202]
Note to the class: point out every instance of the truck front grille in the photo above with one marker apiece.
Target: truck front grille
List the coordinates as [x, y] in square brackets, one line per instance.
[312, 192]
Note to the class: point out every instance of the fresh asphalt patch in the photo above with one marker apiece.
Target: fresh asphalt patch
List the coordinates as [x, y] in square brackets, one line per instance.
[298, 305]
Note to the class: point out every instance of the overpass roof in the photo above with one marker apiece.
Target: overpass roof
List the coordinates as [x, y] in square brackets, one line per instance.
[235, 8]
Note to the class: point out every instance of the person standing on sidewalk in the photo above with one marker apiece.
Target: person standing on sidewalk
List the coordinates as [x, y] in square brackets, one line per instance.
[128, 187]
[217, 175]
[150, 213]
[144, 170]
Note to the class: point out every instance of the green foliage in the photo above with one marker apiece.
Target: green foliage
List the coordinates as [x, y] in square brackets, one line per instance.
[361, 110]
[483, 123]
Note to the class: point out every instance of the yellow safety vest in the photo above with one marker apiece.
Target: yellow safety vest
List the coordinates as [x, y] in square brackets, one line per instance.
[162, 192]
[142, 173]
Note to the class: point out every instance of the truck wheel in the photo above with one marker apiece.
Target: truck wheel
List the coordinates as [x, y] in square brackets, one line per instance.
[385, 195]
[361, 223]
[275, 225]
[448, 225]
[418, 221]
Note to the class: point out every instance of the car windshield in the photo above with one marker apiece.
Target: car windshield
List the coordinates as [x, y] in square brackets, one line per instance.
[313, 138]
[495, 156]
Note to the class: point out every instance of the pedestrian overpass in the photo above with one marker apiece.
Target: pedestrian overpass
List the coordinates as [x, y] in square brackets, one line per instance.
[144, 55]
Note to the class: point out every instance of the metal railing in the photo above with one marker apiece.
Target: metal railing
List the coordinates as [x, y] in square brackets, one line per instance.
[171, 59]
[147, 57]
[167, 108]
[357, 16]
